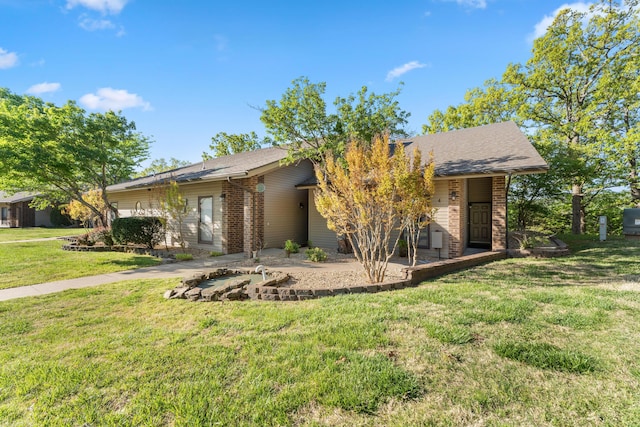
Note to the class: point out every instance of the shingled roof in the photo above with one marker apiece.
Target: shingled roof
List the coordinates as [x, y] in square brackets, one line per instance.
[499, 148]
[234, 166]
[21, 196]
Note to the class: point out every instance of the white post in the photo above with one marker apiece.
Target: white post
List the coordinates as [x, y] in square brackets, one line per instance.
[603, 228]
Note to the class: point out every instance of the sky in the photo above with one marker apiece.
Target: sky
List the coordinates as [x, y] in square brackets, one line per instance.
[185, 70]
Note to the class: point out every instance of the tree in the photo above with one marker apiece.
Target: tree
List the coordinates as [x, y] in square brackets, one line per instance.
[61, 152]
[81, 212]
[175, 205]
[567, 82]
[161, 165]
[300, 122]
[224, 144]
[365, 201]
[415, 187]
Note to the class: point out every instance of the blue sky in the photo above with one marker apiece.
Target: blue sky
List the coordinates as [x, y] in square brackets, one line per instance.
[186, 70]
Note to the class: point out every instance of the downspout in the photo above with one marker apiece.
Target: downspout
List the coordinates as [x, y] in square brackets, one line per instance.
[253, 208]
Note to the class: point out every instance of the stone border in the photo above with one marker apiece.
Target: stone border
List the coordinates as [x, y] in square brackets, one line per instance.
[268, 290]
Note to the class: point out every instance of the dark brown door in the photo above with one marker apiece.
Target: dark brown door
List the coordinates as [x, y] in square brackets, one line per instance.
[480, 224]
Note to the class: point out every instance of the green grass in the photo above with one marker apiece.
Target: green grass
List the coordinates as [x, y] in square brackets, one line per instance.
[13, 234]
[29, 263]
[516, 342]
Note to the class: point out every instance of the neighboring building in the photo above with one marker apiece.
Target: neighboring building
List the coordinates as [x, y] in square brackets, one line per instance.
[245, 201]
[16, 212]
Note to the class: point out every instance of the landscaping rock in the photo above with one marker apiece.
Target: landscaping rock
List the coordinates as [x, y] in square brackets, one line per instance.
[193, 294]
[169, 294]
[180, 291]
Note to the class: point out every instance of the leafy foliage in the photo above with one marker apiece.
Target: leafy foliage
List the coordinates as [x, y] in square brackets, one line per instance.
[316, 254]
[62, 152]
[161, 165]
[369, 197]
[301, 123]
[224, 144]
[82, 210]
[137, 230]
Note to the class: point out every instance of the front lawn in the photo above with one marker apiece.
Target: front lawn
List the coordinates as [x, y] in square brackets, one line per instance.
[517, 342]
[35, 262]
[13, 234]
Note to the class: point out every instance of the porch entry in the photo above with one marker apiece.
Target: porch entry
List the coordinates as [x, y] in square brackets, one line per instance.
[480, 225]
[205, 221]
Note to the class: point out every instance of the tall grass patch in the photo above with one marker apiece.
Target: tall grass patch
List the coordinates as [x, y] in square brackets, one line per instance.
[547, 356]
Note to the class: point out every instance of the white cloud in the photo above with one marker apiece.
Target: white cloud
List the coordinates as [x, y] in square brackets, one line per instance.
[105, 6]
[107, 98]
[474, 4]
[541, 27]
[7, 59]
[45, 87]
[398, 71]
[90, 24]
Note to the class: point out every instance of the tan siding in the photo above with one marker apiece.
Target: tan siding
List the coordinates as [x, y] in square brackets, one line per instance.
[441, 220]
[127, 203]
[283, 218]
[319, 234]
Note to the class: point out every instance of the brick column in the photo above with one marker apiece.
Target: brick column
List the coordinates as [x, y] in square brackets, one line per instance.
[232, 219]
[253, 215]
[498, 214]
[456, 245]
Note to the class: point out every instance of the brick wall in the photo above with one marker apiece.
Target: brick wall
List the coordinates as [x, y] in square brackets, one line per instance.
[232, 219]
[498, 214]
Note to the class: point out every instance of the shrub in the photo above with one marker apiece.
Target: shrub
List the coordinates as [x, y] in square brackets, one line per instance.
[215, 253]
[184, 257]
[316, 254]
[291, 247]
[59, 219]
[103, 235]
[137, 230]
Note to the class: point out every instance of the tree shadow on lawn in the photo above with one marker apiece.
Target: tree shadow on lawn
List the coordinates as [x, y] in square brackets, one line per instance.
[133, 262]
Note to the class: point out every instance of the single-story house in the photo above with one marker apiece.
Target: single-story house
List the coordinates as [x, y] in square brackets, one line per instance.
[16, 212]
[247, 201]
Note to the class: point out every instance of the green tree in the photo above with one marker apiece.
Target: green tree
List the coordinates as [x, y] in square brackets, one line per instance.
[175, 206]
[567, 83]
[161, 165]
[367, 200]
[301, 123]
[224, 144]
[62, 152]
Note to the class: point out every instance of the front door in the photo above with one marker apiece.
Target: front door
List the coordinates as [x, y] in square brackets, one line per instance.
[205, 222]
[480, 225]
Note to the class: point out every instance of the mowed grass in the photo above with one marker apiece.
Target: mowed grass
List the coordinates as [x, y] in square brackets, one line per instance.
[517, 342]
[35, 262]
[13, 234]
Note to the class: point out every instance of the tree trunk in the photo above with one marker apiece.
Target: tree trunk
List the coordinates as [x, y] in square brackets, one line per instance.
[577, 212]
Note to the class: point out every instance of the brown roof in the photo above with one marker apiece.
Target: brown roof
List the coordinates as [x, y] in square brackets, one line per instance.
[499, 148]
[21, 196]
[235, 166]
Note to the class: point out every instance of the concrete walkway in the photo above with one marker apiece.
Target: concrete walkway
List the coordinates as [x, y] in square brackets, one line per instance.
[176, 269]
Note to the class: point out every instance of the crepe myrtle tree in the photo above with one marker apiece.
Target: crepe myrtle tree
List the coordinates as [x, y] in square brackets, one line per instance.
[367, 196]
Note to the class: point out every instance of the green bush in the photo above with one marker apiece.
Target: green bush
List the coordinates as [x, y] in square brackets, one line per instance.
[101, 235]
[316, 254]
[291, 247]
[184, 257]
[58, 219]
[137, 230]
[215, 253]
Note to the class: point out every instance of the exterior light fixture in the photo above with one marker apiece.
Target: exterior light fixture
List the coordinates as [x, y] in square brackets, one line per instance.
[301, 205]
[454, 195]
